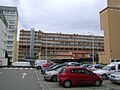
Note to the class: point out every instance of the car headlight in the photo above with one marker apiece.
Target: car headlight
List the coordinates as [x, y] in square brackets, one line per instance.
[48, 74]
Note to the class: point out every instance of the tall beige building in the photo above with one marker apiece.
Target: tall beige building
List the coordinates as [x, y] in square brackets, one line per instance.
[110, 23]
[11, 16]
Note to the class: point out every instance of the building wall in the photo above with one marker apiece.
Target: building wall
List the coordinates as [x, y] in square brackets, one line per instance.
[114, 24]
[54, 45]
[113, 3]
[104, 58]
[11, 16]
[15, 43]
[2, 38]
[110, 23]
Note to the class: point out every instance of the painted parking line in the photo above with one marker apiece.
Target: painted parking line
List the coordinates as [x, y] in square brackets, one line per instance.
[5, 68]
[16, 68]
[20, 68]
[31, 68]
[1, 72]
[10, 68]
[26, 68]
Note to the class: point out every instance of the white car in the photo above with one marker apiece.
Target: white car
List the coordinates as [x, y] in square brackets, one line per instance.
[94, 67]
[115, 77]
[52, 75]
[39, 63]
[108, 69]
[21, 64]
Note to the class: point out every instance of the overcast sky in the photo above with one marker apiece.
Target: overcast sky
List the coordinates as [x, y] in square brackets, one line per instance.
[59, 16]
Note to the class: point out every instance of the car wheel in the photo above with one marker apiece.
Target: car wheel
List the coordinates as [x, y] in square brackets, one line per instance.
[67, 83]
[97, 83]
[39, 67]
[104, 76]
[54, 78]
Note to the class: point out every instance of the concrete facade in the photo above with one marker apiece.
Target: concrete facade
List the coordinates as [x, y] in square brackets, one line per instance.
[3, 27]
[110, 23]
[11, 16]
[57, 45]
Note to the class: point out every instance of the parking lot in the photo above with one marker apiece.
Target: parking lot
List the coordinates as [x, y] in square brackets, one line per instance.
[47, 85]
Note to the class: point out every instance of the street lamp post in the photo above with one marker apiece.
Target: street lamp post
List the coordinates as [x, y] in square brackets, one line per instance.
[46, 48]
[93, 48]
[92, 39]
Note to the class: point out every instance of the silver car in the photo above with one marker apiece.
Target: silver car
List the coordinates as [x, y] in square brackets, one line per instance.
[52, 75]
[115, 77]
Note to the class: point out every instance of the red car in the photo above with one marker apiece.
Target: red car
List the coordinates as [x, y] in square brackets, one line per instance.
[75, 75]
[46, 65]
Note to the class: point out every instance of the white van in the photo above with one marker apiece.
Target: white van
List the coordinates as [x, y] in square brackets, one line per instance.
[39, 63]
[21, 64]
[108, 69]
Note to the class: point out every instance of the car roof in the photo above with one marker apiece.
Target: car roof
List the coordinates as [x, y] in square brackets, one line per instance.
[70, 67]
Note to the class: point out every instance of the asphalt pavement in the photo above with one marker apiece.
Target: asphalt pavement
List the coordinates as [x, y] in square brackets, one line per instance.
[32, 79]
[19, 79]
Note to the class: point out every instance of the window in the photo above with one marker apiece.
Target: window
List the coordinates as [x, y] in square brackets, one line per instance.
[12, 17]
[112, 68]
[7, 17]
[62, 70]
[9, 37]
[11, 26]
[118, 66]
[11, 22]
[9, 42]
[73, 70]
[9, 47]
[6, 12]
[12, 12]
[9, 52]
[10, 32]
[82, 71]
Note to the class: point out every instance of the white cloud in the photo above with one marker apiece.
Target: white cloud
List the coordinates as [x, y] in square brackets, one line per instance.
[65, 16]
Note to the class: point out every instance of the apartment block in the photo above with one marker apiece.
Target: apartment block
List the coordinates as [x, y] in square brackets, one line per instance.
[110, 24]
[11, 16]
[42, 45]
[3, 27]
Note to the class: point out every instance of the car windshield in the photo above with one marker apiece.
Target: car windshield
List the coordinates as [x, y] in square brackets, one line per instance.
[58, 69]
[106, 67]
[53, 65]
[84, 65]
[62, 70]
[57, 66]
[90, 66]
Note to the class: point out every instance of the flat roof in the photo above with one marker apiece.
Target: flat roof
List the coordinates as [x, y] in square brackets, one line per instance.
[109, 7]
[8, 8]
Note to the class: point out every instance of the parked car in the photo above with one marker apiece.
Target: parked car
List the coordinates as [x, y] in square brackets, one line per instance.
[115, 77]
[21, 64]
[43, 69]
[39, 63]
[94, 67]
[84, 65]
[74, 75]
[52, 75]
[108, 69]
[71, 63]
[46, 65]
[53, 68]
